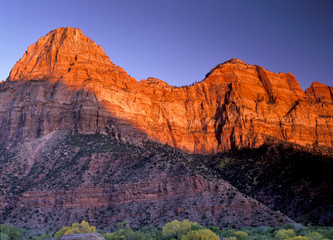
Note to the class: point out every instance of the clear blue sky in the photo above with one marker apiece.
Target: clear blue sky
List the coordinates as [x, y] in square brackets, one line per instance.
[179, 41]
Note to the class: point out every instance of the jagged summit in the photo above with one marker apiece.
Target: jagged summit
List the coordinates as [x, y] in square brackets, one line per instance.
[320, 92]
[235, 61]
[151, 81]
[65, 54]
[237, 105]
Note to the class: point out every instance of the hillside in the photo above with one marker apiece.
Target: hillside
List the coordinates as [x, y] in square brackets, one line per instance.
[74, 177]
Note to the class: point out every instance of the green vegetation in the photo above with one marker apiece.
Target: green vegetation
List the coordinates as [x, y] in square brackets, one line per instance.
[285, 234]
[82, 227]
[201, 234]
[226, 161]
[178, 230]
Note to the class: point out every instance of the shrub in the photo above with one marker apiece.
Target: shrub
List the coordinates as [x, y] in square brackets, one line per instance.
[125, 233]
[10, 231]
[298, 238]
[226, 233]
[241, 235]
[284, 234]
[4, 236]
[177, 228]
[226, 162]
[82, 227]
[202, 234]
[314, 236]
[113, 236]
[288, 226]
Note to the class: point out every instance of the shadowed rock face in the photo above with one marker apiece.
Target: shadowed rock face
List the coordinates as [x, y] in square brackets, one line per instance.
[63, 178]
[65, 81]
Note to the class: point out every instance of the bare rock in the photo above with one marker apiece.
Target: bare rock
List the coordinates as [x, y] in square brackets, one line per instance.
[65, 81]
[83, 236]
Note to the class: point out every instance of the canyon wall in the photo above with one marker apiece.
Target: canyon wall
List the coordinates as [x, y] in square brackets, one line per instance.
[66, 82]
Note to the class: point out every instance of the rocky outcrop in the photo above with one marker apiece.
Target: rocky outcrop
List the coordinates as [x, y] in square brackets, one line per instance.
[83, 236]
[65, 81]
[148, 202]
[319, 92]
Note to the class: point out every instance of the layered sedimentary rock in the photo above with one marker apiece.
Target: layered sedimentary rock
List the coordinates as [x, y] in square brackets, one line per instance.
[65, 177]
[65, 89]
[65, 81]
[148, 202]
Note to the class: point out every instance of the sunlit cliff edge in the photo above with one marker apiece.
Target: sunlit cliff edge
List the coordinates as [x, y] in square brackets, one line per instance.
[65, 81]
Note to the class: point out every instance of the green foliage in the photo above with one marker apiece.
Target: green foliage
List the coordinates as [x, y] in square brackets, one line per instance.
[129, 234]
[297, 238]
[61, 232]
[177, 228]
[227, 233]
[226, 161]
[151, 232]
[202, 234]
[314, 236]
[288, 226]
[10, 231]
[82, 227]
[4, 236]
[241, 235]
[329, 234]
[284, 234]
[125, 232]
[113, 236]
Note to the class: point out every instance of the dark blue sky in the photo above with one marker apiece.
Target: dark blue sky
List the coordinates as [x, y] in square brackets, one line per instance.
[179, 41]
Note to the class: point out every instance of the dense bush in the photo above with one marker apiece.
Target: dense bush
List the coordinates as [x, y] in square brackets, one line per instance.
[82, 227]
[178, 230]
[201, 234]
[284, 234]
[10, 232]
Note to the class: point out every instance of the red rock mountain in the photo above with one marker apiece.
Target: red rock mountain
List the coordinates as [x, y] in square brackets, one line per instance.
[65, 89]
[66, 81]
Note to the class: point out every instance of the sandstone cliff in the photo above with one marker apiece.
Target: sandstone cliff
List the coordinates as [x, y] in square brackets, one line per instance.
[66, 82]
[76, 131]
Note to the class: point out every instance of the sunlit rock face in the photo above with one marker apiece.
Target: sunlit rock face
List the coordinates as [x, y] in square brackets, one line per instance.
[65, 81]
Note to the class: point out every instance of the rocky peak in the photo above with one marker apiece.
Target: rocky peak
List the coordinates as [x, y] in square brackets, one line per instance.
[320, 92]
[235, 61]
[151, 81]
[237, 105]
[64, 54]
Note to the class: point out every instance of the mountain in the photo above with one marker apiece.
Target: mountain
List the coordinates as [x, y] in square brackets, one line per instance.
[66, 82]
[81, 139]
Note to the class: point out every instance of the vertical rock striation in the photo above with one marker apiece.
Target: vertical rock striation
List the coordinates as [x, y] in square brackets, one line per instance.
[66, 81]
